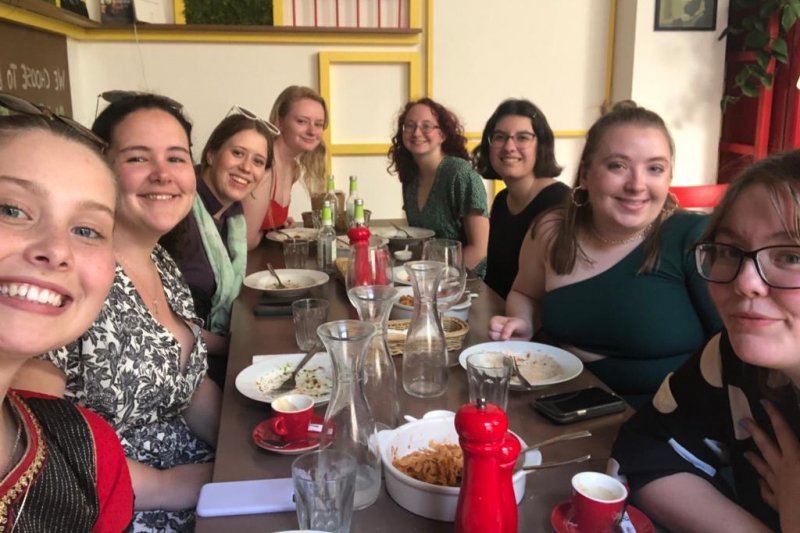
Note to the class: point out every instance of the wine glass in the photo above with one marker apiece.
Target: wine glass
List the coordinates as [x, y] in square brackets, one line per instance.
[454, 278]
[369, 264]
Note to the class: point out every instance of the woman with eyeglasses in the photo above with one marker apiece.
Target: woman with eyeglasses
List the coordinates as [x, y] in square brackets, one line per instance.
[210, 244]
[61, 466]
[142, 364]
[517, 146]
[609, 277]
[441, 190]
[297, 154]
[735, 406]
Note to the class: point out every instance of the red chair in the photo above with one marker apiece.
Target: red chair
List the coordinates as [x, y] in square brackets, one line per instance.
[699, 196]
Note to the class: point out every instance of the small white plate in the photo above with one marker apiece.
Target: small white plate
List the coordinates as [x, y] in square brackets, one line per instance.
[298, 280]
[309, 234]
[400, 275]
[527, 353]
[257, 380]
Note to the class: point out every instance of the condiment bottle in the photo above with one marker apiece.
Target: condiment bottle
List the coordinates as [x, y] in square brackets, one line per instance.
[482, 505]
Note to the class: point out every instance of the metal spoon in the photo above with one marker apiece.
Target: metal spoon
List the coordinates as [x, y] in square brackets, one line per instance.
[398, 228]
[272, 271]
[290, 237]
[558, 438]
[554, 464]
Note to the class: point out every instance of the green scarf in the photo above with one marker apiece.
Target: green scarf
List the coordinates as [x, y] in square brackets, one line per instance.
[228, 264]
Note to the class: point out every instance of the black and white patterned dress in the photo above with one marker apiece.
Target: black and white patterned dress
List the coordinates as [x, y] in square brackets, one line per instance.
[126, 368]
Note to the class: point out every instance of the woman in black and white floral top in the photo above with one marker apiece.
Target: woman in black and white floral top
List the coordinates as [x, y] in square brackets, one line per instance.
[142, 365]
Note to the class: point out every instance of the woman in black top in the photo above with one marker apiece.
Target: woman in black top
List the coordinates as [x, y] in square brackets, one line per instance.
[517, 147]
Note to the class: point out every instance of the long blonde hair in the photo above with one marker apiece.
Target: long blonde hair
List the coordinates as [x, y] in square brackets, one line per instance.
[311, 165]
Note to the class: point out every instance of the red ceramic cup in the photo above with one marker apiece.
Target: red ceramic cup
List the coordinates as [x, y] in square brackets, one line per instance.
[598, 501]
[292, 416]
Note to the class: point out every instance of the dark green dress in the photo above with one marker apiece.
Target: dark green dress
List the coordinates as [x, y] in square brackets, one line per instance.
[457, 191]
[646, 325]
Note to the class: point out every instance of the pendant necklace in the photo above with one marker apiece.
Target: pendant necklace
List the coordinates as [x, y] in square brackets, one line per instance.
[636, 236]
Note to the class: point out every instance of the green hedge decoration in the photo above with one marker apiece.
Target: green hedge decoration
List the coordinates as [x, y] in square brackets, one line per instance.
[243, 12]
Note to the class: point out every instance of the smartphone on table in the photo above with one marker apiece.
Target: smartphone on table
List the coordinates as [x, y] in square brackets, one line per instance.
[579, 405]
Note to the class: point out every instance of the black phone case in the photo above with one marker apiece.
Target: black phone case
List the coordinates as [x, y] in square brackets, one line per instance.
[546, 407]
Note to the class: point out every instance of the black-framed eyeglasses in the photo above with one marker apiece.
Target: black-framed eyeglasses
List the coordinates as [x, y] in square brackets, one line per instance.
[521, 139]
[15, 104]
[778, 266]
[117, 95]
[272, 128]
[425, 127]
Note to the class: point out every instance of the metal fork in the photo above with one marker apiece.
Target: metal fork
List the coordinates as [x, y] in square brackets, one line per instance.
[291, 382]
[519, 374]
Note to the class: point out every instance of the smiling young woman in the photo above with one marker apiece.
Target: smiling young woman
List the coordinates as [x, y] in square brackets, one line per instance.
[142, 364]
[441, 190]
[742, 391]
[61, 467]
[609, 276]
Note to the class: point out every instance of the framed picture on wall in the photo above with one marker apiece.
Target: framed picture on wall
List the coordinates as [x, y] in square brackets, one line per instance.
[686, 15]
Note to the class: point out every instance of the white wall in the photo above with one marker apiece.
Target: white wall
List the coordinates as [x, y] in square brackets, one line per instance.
[678, 74]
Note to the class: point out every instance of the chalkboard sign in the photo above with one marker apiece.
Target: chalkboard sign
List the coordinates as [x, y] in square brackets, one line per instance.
[33, 65]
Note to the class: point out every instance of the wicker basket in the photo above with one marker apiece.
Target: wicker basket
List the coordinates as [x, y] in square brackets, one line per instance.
[455, 330]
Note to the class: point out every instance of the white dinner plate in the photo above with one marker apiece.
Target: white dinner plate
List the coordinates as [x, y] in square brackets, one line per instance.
[309, 234]
[298, 280]
[530, 356]
[259, 379]
[394, 234]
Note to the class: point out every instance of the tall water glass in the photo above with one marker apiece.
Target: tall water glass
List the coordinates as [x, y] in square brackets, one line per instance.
[369, 264]
[453, 279]
[324, 486]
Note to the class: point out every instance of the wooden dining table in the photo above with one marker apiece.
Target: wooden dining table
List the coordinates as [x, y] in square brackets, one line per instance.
[238, 458]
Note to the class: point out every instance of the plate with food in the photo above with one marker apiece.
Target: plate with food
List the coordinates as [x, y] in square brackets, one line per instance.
[306, 234]
[403, 234]
[401, 275]
[260, 380]
[541, 364]
[296, 280]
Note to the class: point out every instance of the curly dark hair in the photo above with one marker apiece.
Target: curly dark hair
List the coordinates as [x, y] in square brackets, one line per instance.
[545, 166]
[455, 143]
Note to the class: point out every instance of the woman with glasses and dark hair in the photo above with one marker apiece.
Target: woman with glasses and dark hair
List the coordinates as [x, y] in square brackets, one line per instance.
[441, 190]
[517, 146]
[62, 466]
[737, 402]
[609, 276]
[297, 154]
[210, 244]
[142, 364]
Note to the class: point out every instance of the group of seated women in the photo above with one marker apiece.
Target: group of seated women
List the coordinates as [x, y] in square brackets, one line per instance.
[122, 261]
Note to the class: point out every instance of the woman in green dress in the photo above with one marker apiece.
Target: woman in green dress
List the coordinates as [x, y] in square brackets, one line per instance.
[441, 190]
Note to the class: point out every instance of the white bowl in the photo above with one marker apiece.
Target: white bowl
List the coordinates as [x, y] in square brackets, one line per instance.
[400, 311]
[425, 499]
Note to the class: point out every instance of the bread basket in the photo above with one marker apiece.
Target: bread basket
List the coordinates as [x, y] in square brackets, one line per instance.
[455, 330]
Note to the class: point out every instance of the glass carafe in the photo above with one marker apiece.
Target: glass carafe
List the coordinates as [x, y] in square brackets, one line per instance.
[425, 353]
[348, 425]
[379, 379]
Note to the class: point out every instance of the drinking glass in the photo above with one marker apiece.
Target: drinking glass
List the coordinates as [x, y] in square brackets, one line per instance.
[488, 377]
[453, 279]
[324, 486]
[370, 264]
[308, 314]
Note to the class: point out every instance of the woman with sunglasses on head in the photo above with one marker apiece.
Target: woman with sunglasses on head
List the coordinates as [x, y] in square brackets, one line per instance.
[210, 244]
[736, 403]
[297, 154]
[142, 365]
[609, 277]
[441, 190]
[517, 146]
[63, 468]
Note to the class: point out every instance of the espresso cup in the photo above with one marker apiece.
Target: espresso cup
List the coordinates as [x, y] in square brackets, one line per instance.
[598, 501]
[292, 416]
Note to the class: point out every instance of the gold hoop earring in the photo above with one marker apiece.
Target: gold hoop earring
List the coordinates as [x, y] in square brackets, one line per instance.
[580, 196]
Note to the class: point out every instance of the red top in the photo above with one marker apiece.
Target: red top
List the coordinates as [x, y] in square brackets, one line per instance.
[276, 215]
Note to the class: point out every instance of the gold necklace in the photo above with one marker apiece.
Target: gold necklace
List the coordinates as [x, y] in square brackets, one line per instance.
[636, 236]
[153, 297]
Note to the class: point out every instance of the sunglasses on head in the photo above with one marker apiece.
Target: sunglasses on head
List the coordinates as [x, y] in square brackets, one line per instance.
[15, 104]
[117, 95]
[237, 109]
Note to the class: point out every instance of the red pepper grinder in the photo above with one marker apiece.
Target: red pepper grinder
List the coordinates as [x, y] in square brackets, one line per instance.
[509, 452]
[481, 502]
